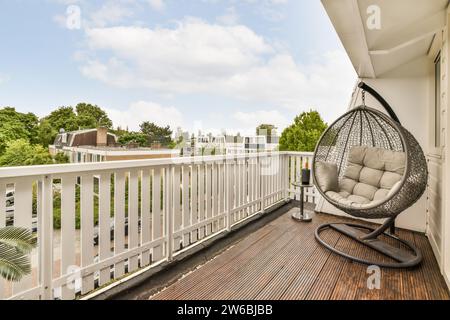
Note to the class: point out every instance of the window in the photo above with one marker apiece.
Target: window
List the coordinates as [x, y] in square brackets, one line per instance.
[437, 102]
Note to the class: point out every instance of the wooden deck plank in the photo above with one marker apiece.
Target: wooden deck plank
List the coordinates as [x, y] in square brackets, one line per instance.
[241, 254]
[187, 282]
[282, 260]
[249, 285]
[347, 282]
[325, 283]
[300, 287]
[434, 282]
[207, 288]
[413, 283]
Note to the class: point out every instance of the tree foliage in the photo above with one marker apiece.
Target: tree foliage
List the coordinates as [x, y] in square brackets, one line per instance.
[84, 116]
[63, 118]
[133, 137]
[22, 153]
[157, 134]
[92, 116]
[46, 133]
[61, 158]
[15, 125]
[304, 133]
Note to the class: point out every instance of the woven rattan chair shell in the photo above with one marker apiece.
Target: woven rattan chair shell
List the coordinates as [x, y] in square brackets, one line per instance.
[364, 126]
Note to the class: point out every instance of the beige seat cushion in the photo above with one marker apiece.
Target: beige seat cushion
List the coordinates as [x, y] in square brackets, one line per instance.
[371, 176]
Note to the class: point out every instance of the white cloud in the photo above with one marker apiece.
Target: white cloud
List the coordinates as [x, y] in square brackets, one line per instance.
[156, 4]
[233, 61]
[279, 1]
[230, 17]
[145, 111]
[188, 58]
[253, 119]
[110, 13]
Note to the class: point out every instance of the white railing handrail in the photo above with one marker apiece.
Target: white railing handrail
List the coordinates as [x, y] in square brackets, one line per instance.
[55, 169]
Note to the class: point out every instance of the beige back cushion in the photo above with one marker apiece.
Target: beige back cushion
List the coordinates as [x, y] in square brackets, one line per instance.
[372, 172]
[327, 176]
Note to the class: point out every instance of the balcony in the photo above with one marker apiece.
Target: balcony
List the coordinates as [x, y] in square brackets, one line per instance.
[123, 220]
[97, 223]
[282, 261]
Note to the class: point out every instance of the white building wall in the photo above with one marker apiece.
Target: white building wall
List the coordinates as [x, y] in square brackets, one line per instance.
[442, 228]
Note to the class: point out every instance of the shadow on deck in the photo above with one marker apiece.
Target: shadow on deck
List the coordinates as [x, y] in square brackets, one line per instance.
[279, 258]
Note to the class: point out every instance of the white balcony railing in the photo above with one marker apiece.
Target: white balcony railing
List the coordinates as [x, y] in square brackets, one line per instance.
[97, 222]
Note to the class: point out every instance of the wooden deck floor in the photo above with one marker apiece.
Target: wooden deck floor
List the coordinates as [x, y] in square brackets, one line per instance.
[282, 260]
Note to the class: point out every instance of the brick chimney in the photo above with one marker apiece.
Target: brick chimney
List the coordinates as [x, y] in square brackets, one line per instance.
[102, 137]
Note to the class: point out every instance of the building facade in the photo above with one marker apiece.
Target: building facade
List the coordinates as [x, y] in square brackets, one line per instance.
[98, 145]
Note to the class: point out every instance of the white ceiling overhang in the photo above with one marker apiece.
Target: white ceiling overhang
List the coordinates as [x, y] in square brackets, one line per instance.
[406, 31]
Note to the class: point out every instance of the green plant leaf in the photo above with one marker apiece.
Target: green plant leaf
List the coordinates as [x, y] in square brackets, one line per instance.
[14, 264]
[21, 239]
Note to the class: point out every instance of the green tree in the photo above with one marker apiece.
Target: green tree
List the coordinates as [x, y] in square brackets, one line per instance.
[85, 116]
[15, 246]
[46, 133]
[133, 137]
[157, 134]
[63, 118]
[304, 133]
[61, 158]
[15, 125]
[92, 116]
[22, 153]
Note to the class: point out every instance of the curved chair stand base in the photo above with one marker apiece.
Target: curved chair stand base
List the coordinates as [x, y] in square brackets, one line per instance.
[403, 258]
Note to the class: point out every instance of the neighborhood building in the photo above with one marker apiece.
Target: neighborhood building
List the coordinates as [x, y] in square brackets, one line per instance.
[99, 145]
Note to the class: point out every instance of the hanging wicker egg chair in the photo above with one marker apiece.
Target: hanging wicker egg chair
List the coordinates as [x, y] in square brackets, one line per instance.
[367, 165]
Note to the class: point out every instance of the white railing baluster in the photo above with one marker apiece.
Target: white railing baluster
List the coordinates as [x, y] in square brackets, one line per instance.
[252, 185]
[46, 238]
[145, 215]
[68, 261]
[201, 199]
[177, 218]
[23, 208]
[185, 208]
[229, 194]
[104, 225]
[133, 218]
[245, 187]
[214, 197]
[3, 283]
[221, 195]
[156, 212]
[119, 221]
[286, 177]
[87, 230]
[194, 201]
[241, 189]
[168, 211]
[259, 185]
[208, 206]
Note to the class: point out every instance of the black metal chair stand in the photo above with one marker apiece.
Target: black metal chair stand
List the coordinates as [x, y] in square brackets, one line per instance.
[369, 128]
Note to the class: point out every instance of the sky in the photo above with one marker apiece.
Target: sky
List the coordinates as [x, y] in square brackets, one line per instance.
[210, 65]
